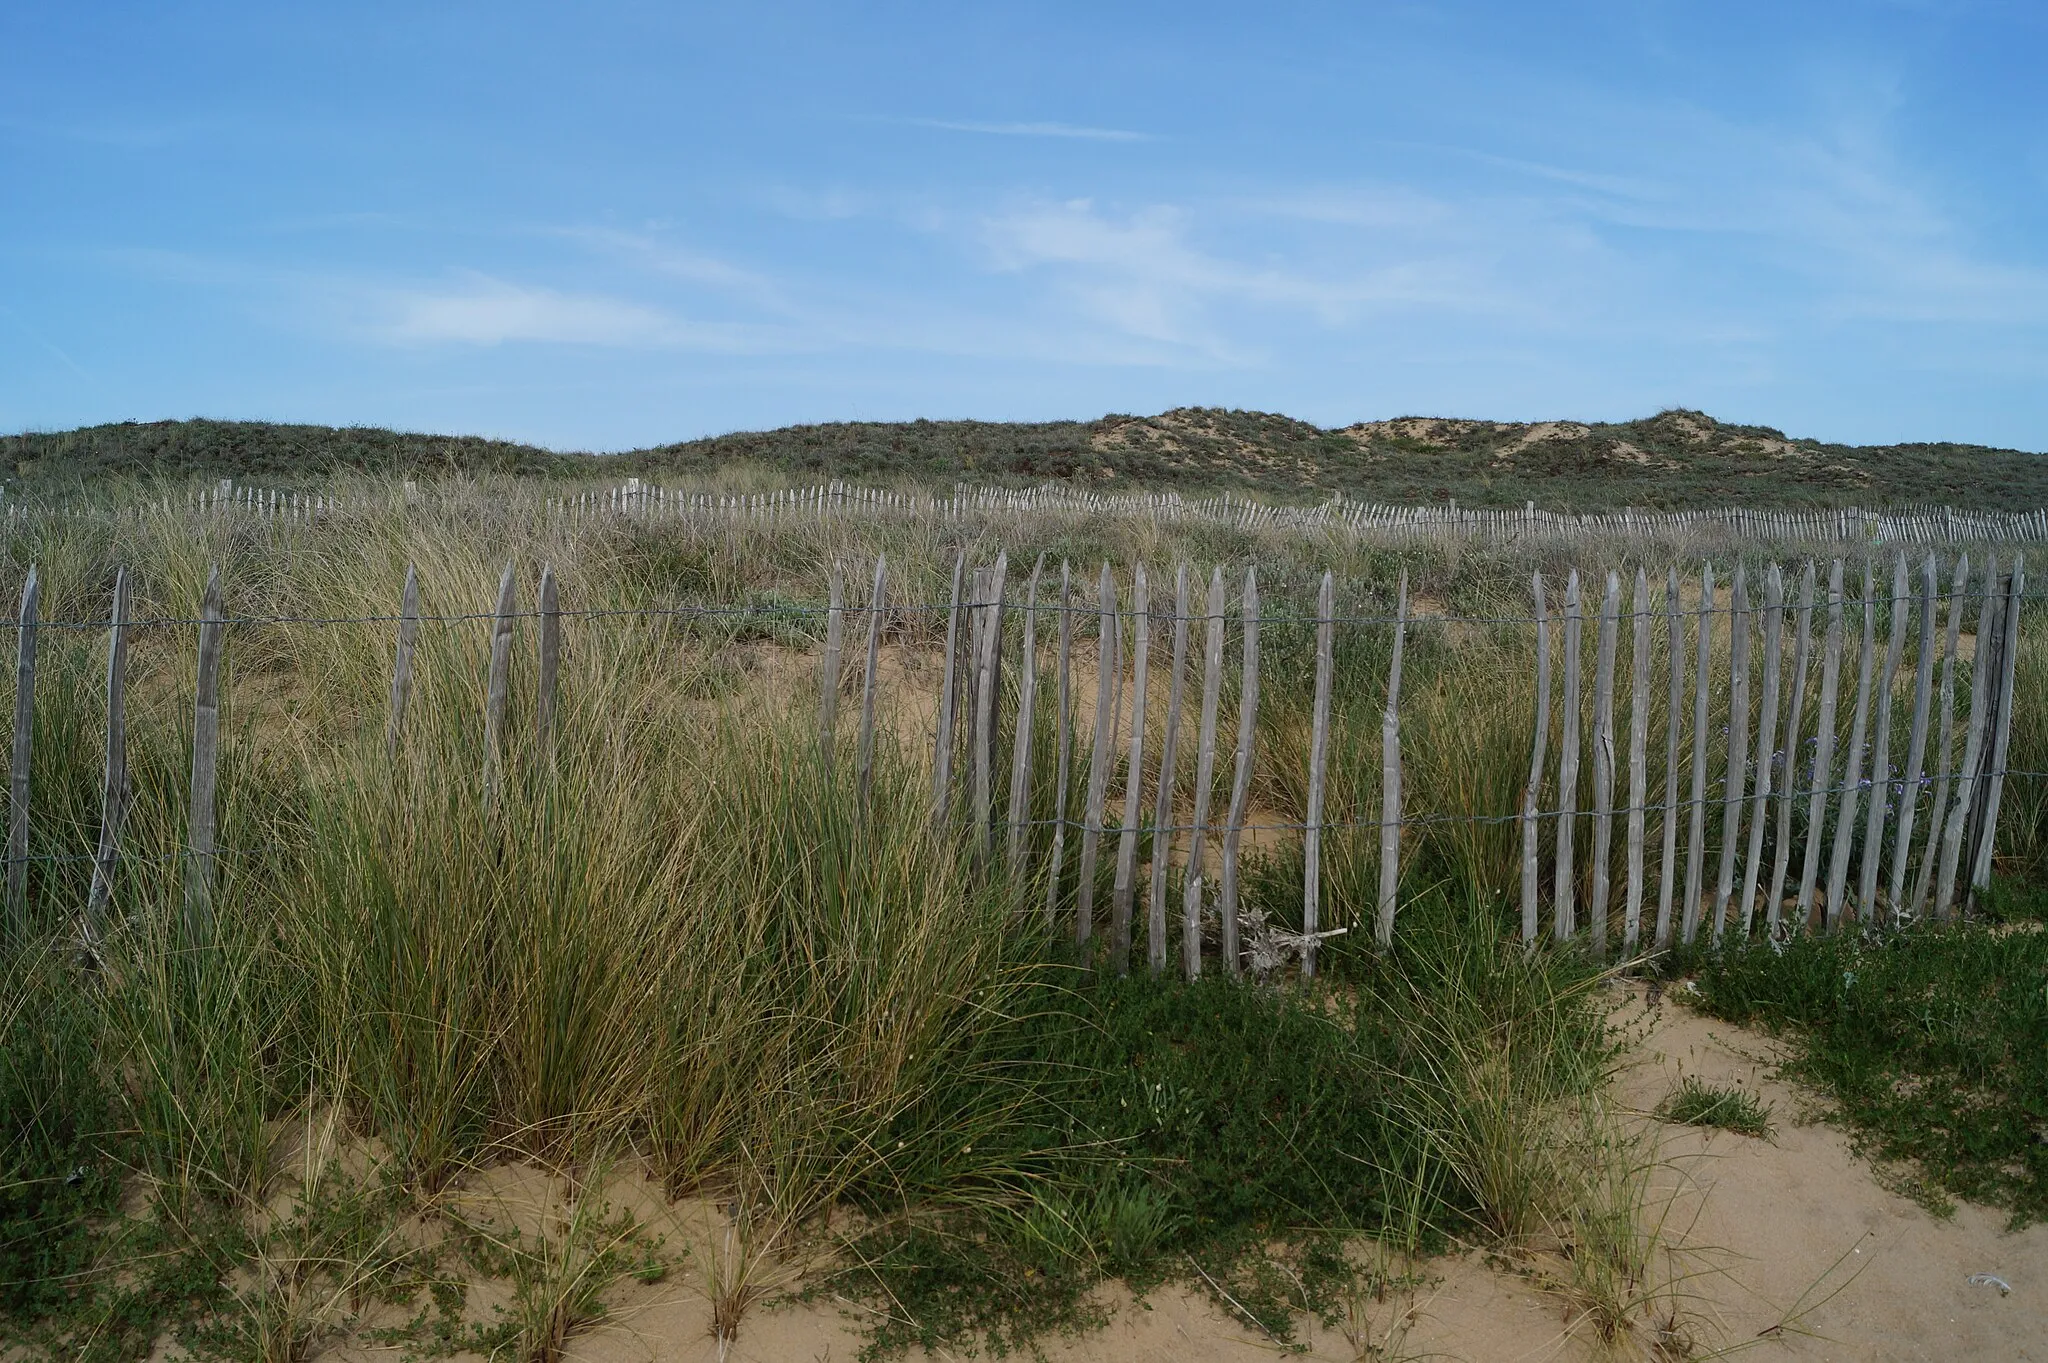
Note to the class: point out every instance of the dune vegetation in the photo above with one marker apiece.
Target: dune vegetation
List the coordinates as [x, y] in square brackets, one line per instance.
[670, 942]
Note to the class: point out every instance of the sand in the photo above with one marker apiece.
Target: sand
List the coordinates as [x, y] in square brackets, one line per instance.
[1795, 1248]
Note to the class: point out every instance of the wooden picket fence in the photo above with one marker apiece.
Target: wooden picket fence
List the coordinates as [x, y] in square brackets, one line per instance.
[1854, 805]
[1849, 805]
[1927, 526]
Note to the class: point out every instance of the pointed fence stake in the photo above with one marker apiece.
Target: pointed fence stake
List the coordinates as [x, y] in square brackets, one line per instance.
[864, 756]
[1018, 811]
[1766, 743]
[550, 659]
[24, 737]
[1667, 867]
[828, 682]
[1205, 776]
[1241, 773]
[1823, 773]
[2015, 591]
[114, 776]
[1564, 898]
[401, 667]
[1696, 818]
[1916, 743]
[1064, 735]
[1318, 767]
[949, 700]
[1134, 776]
[1881, 745]
[498, 692]
[1638, 764]
[1390, 777]
[1532, 793]
[1802, 658]
[1603, 766]
[1945, 765]
[1859, 729]
[205, 769]
[1738, 746]
[1099, 758]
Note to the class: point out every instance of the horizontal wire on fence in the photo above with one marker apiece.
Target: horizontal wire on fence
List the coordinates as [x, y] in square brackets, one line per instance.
[1281, 826]
[1080, 612]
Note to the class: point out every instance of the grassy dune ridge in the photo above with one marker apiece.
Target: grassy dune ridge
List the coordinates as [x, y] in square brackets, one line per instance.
[1675, 459]
[675, 940]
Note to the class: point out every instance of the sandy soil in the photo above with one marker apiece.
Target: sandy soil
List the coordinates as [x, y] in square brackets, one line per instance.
[1794, 1249]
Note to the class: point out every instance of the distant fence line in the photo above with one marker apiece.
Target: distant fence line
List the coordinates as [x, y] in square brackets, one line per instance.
[1928, 526]
[1800, 807]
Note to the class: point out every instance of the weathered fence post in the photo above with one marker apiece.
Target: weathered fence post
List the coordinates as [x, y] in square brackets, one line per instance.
[401, 667]
[1674, 638]
[1696, 818]
[1063, 758]
[1134, 775]
[1973, 743]
[949, 700]
[1106, 669]
[1823, 750]
[988, 671]
[1019, 809]
[1564, 900]
[1802, 657]
[550, 659]
[1916, 743]
[205, 768]
[1241, 773]
[1205, 775]
[1859, 729]
[114, 777]
[1318, 760]
[828, 683]
[2015, 590]
[1532, 793]
[1603, 766]
[24, 739]
[1390, 777]
[1881, 748]
[1766, 742]
[864, 756]
[1169, 753]
[1944, 767]
[498, 693]
[1738, 745]
[1638, 764]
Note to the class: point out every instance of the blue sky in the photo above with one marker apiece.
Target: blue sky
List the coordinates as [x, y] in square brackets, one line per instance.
[604, 225]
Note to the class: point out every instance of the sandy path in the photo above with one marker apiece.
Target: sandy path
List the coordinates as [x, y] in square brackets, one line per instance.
[1763, 1224]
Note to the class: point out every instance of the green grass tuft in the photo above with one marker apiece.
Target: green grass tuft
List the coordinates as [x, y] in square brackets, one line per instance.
[1697, 1103]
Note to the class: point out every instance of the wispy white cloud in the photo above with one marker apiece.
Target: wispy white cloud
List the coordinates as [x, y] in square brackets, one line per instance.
[1143, 274]
[493, 312]
[1075, 131]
